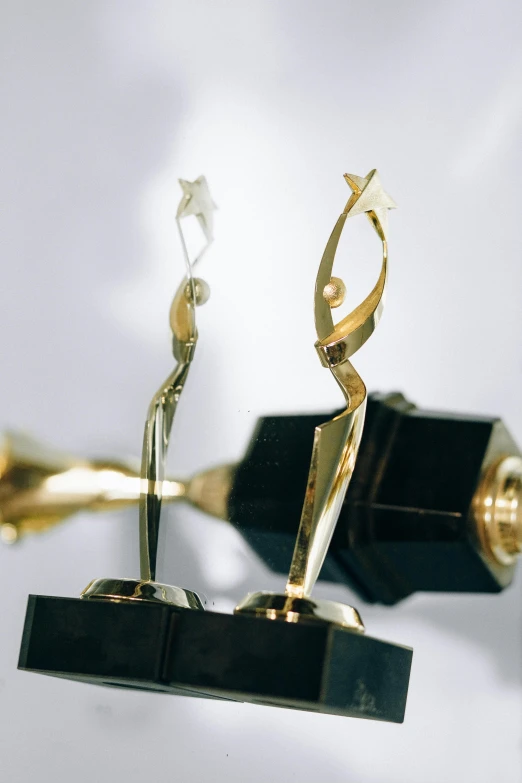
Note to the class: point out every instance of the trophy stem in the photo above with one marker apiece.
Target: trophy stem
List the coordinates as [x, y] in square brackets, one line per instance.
[335, 449]
[190, 293]
[155, 445]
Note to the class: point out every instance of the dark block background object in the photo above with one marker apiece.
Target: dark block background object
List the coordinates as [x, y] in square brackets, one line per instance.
[309, 666]
[269, 488]
[406, 524]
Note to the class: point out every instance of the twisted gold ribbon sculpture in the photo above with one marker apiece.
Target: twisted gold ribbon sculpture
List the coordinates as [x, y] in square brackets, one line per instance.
[337, 441]
[192, 291]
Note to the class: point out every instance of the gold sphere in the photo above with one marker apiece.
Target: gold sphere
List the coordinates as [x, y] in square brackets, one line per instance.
[8, 533]
[201, 289]
[334, 292]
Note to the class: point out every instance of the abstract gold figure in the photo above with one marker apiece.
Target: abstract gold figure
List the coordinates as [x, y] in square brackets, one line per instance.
[196, 201]
[336, 442]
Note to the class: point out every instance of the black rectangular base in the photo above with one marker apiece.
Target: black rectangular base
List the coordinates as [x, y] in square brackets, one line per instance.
[322, 668]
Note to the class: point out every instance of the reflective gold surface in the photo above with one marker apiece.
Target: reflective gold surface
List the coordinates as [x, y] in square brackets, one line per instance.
[196, 201]
[275, 606]
[136, 590]
[40, 487]
[498, 510]
[334, 292]
[336, 442]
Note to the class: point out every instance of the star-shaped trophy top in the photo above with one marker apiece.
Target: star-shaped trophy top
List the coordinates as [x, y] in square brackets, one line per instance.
[368, 195]
[196, 200]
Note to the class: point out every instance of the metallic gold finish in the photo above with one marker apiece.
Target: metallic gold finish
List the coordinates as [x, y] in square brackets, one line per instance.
[336, 442]
[201, 292]
[498, 510]
[196, 201]
[296, 610]
[155, 444]
[40, 487]
[335, 292]
[136, 590]
[8, 533]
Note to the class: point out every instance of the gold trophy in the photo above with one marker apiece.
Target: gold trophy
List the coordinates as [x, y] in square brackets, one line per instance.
[280, 649]
[40, 487]
[336, 442]
[191, 293]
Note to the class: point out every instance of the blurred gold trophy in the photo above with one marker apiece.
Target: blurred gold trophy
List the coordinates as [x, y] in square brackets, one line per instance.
[41, 487]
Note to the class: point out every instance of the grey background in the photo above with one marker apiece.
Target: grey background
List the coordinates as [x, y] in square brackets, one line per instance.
[104, 105]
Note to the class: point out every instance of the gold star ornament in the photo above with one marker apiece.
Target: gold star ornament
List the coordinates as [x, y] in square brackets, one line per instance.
[196, 200]
[368, 195]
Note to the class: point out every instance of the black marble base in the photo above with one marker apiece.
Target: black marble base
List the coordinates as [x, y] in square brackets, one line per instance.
[321, 668]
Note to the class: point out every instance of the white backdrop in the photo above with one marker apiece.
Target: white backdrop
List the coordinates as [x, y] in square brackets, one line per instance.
[104, 105]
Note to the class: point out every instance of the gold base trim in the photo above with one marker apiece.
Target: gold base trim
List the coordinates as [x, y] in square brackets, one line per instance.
[141, 591]
[278, 606]
[498, 510]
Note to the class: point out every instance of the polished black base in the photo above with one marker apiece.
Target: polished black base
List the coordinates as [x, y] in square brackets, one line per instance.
[316, 667]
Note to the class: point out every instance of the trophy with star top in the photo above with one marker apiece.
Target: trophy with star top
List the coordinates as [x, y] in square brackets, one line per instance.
[192, 292]
[282, 649]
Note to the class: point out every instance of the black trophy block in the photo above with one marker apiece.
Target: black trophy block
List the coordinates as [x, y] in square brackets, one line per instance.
[315, 666]
[407, 523]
